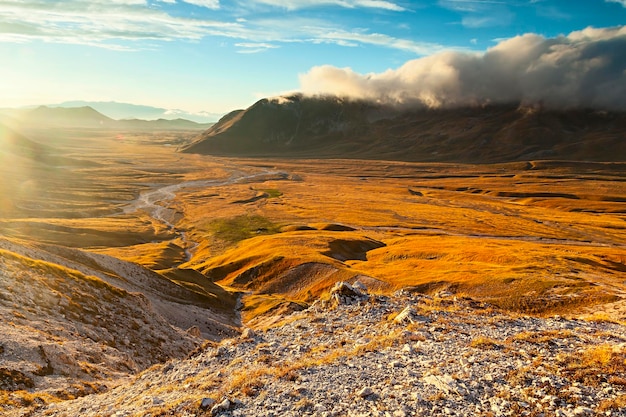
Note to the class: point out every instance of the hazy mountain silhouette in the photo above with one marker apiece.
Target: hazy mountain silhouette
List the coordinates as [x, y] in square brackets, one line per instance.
[300, 126]
[65, 117]
[120, 111]
[90, 118]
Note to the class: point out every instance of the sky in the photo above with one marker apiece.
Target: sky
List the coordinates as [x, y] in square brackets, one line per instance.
[220, 55]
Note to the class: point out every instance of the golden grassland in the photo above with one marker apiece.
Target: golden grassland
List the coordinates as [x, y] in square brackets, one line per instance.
[539, 237]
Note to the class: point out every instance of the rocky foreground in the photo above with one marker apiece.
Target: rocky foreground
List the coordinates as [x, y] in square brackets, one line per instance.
[402, 355]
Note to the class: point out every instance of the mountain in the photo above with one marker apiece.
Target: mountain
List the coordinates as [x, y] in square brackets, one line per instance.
[118, 111]
[301, 126]
[89, 118]
[162, 124]
[86, 117]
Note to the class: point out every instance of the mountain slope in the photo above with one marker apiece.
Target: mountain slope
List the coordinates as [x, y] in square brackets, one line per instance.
[400, 355]
[18, 145]
[17, 148]
[288, 124]
[331, 127]
[74, 321]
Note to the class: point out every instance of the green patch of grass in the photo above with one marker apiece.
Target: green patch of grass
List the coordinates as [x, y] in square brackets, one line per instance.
[272, 192]
[236, 229]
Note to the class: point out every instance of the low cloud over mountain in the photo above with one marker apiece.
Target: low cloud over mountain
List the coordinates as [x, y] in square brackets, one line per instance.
[585, 69]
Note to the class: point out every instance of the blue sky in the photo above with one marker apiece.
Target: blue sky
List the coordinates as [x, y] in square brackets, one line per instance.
[218, 55]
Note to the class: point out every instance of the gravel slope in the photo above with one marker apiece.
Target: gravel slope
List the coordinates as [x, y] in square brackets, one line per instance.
[403, 355]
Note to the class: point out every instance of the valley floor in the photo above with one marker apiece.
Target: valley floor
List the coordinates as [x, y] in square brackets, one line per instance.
[515, 274]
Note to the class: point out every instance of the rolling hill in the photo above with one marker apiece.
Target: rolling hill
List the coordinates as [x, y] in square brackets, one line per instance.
[299, 126]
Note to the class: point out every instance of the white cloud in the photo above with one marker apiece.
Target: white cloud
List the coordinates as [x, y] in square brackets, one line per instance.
[209, 4]
[622, 2]
[585, 68]
[301, 4]
[298, 29]
[378, 39]
[253, 47]
[480, 13]
[108, 24]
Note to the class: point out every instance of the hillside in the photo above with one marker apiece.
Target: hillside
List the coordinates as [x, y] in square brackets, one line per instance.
[356, 354]
[330, 127]
[75, 322]
[12, 142]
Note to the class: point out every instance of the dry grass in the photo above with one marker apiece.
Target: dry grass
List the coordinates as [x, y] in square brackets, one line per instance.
[595, 364]
[519, 254]
[541, 337]
[525, 237]
[482, 342]
[538, 237]
[62, 274]
[616, 404]
[603, 317]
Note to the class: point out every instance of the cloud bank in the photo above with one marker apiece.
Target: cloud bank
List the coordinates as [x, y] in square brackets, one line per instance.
[583, 69]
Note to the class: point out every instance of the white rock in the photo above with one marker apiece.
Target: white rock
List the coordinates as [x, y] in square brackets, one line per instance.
[365, 392]
[222, 406]
[207, 403]
[248, 333]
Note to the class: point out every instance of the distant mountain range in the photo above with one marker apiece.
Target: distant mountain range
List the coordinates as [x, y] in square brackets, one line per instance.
[87, 117]
[298, 126]
[121, 111]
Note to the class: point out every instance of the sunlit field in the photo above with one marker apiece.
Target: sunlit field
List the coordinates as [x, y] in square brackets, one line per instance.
[531, 237]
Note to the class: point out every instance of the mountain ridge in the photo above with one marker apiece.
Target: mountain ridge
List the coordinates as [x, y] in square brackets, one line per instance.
[331, 127]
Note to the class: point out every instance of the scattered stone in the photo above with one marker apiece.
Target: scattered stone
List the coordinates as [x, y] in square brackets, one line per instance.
[583, 411]
[344, 293]
[409, 315]
[445, 383]
[248, 333]
[365, 392]
[358, 285]
[207, 403]
[316, 362]
[224, 405]
[194, 331]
